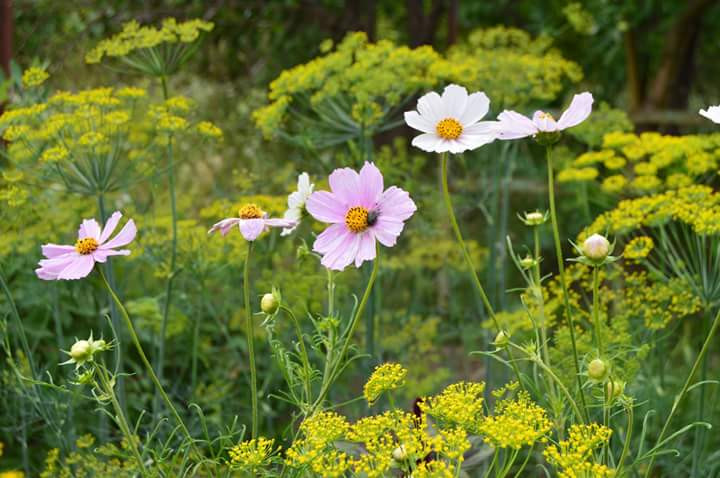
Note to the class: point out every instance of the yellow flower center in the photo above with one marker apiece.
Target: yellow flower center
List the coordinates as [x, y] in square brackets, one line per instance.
[356, 219]
[250, 211]
[86, 246]
[449, 128]
[546, 116]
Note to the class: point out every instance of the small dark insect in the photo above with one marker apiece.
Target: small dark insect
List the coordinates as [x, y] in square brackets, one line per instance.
[373, 215]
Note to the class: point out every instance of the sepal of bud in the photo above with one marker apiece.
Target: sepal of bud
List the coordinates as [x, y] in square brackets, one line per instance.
[83, 351]
[534, 218]
[595, 251]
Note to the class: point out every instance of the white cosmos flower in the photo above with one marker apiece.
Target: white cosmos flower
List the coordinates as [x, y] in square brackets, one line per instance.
[296, 202]
[451, 122]
[712, 113]
[513, 125]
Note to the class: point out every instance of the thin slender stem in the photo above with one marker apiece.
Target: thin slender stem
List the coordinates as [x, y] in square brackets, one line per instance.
[468, 259]
[561, 272]
[250, 325]
[146, 362]
[539, 295]
[596, 311]
[628, 437]
[686, 386]
[303, 351]
[348, 336]
[120, 415]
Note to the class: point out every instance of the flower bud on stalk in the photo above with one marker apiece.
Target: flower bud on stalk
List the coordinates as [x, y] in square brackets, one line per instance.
[614, 388]
[502, 339]
[269, 303]
[597, 370]
[528, 262]
[596, 248]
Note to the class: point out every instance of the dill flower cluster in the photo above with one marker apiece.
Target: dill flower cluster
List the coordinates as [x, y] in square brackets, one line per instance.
[386, 378]
[34, 76]
[459, 404]
[516, 422]
[573, 457]
[638, 247]
[252, 454]
[132, 43]
[315, 448]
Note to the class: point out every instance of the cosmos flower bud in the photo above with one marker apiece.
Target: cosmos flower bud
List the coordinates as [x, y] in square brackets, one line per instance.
[502, 339]
[269, 303]
[528, 262]
[81, 350]
[400, 453]
[596, 248]
[614, 388]
[597, 370]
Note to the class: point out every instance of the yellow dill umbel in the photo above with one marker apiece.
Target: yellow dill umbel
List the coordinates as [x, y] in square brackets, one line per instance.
[356, 219]
[86, 245]
[250, 211]
[449, 128]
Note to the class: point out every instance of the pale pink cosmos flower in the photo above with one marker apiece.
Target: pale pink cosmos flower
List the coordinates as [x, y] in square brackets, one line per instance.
[712, 113]
[360, 211]
[513, 125]
[93, 245]
[251, 223]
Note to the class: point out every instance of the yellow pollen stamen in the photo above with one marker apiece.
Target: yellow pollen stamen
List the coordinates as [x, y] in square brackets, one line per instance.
[544, 115]
[86, 245]
[449, 128]
[356, 219]
[250, 211]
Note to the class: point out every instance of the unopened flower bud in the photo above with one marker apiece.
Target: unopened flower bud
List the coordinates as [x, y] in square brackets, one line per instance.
[400, 453]
[597, 370]
[269, 303]
[98, 346]
[596, 248]
[614, 389]
[535, 218]
[528, 262]
[81, 350]
[502, 339]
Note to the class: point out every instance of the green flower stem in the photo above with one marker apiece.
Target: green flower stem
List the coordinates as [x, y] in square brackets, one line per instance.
[303, 351]
[334, 369]
[120, 417]
[686, 386]
[561, 271]
[250, 325]
[146, 362]
[468, 259]
[596, 311]
[628, 437]
[540, 298]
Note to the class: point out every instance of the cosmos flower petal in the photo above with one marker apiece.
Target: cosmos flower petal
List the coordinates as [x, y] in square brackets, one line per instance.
[430, 106]
[371, 185]
[110, 226]
[477, 107]
[712, 113]
[55, 250]
[387, 230]
[89, 228]
[327, 239]
[344, 184]
[578, 111]
[396, 203]
[343, 255]
[123, 238]
[366, 249]
[326, 207]
[275, 222]
[544, 122]
[513, 125]
[420, 123]
[225, 225]
[426, 142]
[101, 255]
[455, 100]
[80, 267]
[252, 228]
[50, 268]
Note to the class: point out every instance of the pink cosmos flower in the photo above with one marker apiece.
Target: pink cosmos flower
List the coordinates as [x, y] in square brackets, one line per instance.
[513, 125]
[252, 222]
[360, 212]
[76, 262]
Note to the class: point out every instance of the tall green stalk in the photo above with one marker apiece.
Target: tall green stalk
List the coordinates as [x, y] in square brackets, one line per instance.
[561, 272]
[468, 259]
[596, 311]
[686, 386]
[148, 367]
[250, 326]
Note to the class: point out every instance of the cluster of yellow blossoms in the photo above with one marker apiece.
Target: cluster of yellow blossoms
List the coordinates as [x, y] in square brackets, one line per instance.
[631, 165]
[574, 457]
[252, 454]
[34, 76]
[386, 378]
[135, 37]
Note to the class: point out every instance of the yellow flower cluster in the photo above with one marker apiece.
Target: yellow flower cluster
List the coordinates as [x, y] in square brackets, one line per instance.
[460, 404]
[433, 469]
[135, 37]
[638, 248]
[315, 448]
[510, 66]
[631, 164]
[34, 76]
[573, 457]
[516, 422]
[252, 454]
[658, 302]
[385, 378]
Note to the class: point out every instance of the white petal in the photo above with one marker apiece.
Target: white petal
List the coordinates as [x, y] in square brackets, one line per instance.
[544, 122]
[578, 111]
[712, 113]
[414, 120]
[426, 142]
[455, 99]
[477, 107]
[513, 125]
[430, 106]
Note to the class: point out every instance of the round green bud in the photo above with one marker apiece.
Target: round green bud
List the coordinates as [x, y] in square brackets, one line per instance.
[597, 370]
[400, 453]
[528, 262]
[596, 248]
[614, 389]
[81, 350]
[534, 218]
[269, 303]
[502, 339]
